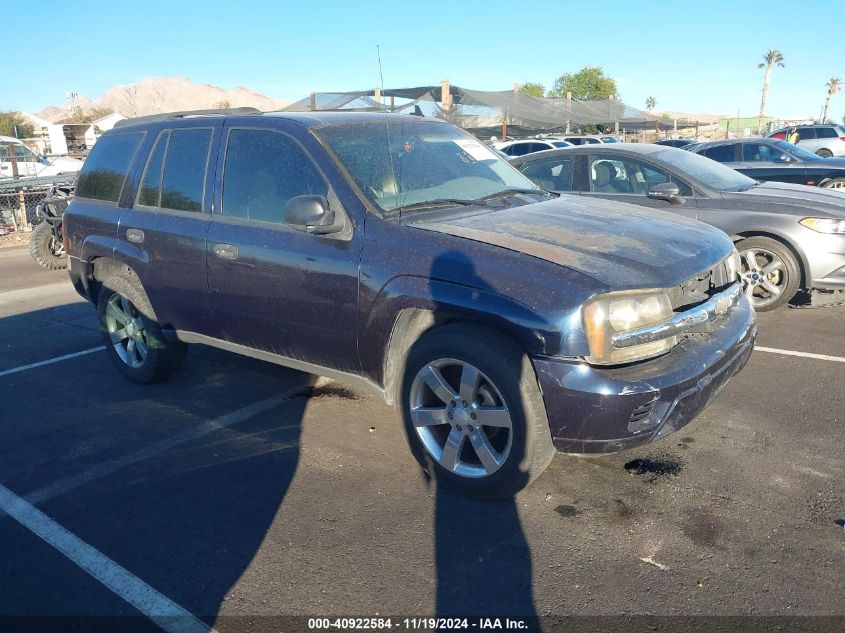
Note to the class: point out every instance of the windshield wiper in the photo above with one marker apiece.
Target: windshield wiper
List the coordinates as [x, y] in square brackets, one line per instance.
[512, 191]
[439, 202]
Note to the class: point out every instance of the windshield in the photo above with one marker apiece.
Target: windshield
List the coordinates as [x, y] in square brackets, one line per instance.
[797, 152]
[399, 162]
[714, 175]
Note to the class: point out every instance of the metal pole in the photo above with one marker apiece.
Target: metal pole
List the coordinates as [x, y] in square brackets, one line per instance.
[22, 222]
[313, 102]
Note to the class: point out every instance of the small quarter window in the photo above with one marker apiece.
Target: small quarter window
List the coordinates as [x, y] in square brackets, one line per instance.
[151, 181]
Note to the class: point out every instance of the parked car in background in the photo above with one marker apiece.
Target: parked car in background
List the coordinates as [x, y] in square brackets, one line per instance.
[31, 164]
[789, 237]
[675, 142]
[583, 139]
[400, 255]
[529, 146]
[772, 159]
[608, 139]
[826, 140]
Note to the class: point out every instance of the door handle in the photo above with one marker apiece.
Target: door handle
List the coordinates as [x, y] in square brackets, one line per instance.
[135, 235]
[226, 251]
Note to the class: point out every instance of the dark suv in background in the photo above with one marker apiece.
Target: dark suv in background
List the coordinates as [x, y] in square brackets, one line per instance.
[400, 255]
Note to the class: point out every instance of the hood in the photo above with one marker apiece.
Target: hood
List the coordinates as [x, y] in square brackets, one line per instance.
[65, 164]
[807, 199]
[828, 162]
[620, 245]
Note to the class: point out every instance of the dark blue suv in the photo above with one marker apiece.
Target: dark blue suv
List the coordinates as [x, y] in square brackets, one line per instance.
[400, 255]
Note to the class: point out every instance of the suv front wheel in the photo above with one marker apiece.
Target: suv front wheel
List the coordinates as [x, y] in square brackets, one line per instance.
[473, 412]
[132, 335]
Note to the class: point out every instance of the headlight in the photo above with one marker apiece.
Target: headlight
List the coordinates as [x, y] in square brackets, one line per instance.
[618, 312]
[824, 225]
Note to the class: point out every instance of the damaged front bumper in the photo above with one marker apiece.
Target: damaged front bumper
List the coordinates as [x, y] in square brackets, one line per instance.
[601, 410]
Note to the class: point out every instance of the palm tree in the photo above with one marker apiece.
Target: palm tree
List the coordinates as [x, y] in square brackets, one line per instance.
[650, 103]
[833, 86]
[771, 58]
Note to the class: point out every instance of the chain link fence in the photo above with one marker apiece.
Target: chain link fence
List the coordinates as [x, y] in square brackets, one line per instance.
[19, 199]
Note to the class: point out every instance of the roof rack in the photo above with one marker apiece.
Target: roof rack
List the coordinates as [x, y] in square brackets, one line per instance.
[167, 116]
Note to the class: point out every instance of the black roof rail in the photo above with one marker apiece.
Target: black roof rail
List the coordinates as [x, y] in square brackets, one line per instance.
[167, 116]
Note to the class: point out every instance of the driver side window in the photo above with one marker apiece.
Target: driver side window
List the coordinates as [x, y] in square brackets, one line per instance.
[263, 171]
[618, 175]
[757, 152]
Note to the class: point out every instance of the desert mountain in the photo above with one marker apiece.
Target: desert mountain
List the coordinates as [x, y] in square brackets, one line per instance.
[164, 94]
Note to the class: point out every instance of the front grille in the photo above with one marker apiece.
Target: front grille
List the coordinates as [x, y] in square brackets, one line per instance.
[698, 289]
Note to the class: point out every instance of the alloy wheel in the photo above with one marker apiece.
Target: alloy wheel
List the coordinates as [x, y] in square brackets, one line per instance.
[461, 418]
[126, 330]
[764, 276]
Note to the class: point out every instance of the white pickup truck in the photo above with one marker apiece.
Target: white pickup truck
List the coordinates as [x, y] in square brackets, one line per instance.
[31, 164]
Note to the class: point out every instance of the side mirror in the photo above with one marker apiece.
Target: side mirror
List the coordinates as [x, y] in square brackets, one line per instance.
[666, 191]
[785, 158]
[312, 215]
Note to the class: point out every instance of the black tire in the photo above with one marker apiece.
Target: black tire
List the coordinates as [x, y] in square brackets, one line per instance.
[789, 276]
[834, 183]
[44, 248]
[510, 371]
[824, 153]
[162, 358]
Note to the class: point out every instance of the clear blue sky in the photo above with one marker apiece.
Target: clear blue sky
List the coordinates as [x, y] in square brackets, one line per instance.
[691, 56]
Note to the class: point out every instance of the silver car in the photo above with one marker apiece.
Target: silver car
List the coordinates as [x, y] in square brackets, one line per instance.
[824, 140]
[790, 237]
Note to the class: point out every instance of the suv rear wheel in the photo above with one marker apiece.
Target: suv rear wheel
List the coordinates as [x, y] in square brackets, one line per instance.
[132, 335]
[824, 153]
[473, 412]
[834, 183]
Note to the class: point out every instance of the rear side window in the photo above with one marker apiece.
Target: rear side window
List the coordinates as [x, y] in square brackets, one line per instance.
[554, 174]
[721, 153]
[806, 133]
[174, 177]
[183, 178]
[106, 167]
[825, 132]
[263, 171]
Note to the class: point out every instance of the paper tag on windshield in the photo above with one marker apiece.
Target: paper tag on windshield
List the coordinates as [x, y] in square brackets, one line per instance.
[475, 149]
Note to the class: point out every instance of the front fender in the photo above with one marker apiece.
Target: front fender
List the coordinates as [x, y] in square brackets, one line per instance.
[447, 301]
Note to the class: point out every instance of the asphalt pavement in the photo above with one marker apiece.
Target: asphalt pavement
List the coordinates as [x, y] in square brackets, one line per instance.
[240, 493]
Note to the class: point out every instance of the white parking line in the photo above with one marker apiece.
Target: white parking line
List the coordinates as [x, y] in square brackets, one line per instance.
[160, 609]
[787, 352]
[50, 361]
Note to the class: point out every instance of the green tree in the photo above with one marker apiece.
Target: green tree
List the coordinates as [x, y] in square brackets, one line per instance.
[771, 59]
[650, 103]
[588, 83]
[14, 124]
[833, 86]
[533, 89]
